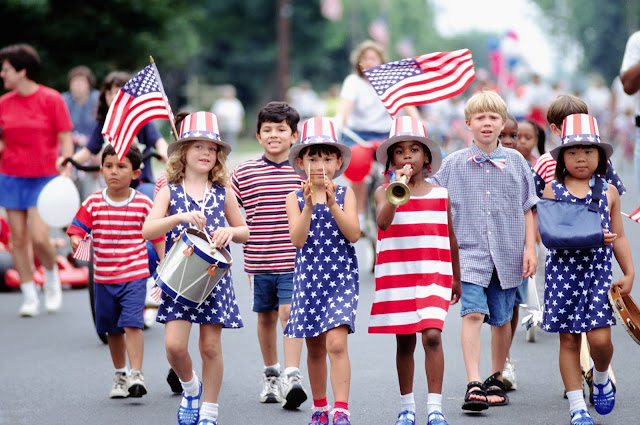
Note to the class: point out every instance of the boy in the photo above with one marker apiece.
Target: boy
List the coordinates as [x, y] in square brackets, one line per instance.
[114, 218]
[261, 186]
[491, 192]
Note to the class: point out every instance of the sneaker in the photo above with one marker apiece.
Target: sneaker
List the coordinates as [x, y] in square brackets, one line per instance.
[149, 316]
[509, 375]
[270, 392]
[136, 388]
[319, 418]
[341, 418]
[189, 410]
[292, 392]
[30, 307]
[52, 296]
[119, 388]
[174, 381]
[406, 417]
[436, 418]
[581, 417]
[207, 422]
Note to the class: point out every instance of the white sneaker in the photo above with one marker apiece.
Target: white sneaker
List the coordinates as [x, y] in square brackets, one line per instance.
[509, 376]
[119, 388]
[270, 392]
[30, 307]
[292, 392]
[52, 296]
[149, 316]
[136, 387]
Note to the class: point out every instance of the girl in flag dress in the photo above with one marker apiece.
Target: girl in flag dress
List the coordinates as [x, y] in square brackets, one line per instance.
[577, 281]
[323, 224]
[417, 270]
[196, 197]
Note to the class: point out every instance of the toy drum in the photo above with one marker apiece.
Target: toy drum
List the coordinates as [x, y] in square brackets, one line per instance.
[627, 311]
[190, 271]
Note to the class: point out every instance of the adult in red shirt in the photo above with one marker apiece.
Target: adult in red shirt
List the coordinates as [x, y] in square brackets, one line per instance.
[35, 126]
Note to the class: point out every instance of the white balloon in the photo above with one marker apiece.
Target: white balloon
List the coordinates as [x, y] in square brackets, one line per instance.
[58, 202]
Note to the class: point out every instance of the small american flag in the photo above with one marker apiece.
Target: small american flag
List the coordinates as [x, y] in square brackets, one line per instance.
[142, 99]
[422, 79]
[83, 250]
[635, 216]
[156, 294]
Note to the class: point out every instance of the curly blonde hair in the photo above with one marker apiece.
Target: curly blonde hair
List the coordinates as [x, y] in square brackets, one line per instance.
[356, 55]
[178, 162]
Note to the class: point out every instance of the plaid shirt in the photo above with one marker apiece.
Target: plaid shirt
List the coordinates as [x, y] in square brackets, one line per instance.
[487, 207]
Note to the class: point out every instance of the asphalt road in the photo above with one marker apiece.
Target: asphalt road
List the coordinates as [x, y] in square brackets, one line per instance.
[55, 370]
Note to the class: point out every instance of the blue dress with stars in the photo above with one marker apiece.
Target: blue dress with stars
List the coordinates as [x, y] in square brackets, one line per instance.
[221, 306]
[325, 282]
[577, 281]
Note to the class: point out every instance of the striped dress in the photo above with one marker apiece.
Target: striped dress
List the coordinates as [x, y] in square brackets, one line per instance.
[413, 268]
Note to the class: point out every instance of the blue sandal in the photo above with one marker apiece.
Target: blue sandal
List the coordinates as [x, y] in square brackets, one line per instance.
[406, 417]
[436, 418]
[604, 402]
[189, 415]
[581, 417]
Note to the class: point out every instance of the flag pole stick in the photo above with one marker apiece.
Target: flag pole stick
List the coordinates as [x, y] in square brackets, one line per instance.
[626, 215]
[166, 101]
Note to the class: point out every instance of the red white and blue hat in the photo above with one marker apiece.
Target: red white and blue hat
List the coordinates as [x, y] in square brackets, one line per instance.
[201, 125]
[580, 129]
[318, 131]
[405, 129]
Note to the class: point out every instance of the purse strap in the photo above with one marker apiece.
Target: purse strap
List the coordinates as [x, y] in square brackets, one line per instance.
[596, 194]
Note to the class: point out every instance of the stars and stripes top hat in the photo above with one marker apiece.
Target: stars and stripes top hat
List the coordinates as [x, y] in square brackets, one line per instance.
[404, 129]
[201, 125]
[580, 129]
[318, 131]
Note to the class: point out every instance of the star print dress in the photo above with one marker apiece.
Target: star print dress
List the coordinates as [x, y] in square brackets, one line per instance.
[325, 283]
[221, 306]
[577, 281]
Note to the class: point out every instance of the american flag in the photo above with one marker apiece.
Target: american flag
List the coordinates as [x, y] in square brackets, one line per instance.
[635, 216]
[422, 79]
[156, 294]
[142, 99]
[83, 250]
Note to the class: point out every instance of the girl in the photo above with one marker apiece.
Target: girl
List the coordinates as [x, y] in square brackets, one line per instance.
[577, 281]
[417, 269]
[509, 135]
[196, 197]
[323, 224]
[530, 135]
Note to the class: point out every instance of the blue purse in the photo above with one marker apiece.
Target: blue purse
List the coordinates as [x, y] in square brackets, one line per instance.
[569, 225]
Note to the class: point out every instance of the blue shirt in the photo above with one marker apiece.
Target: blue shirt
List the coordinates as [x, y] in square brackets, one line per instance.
[487, 208]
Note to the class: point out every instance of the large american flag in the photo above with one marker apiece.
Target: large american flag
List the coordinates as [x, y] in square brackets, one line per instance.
[422, 79]
[142, 99]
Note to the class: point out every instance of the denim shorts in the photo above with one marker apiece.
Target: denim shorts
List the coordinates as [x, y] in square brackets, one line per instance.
[494, 302]
[21, 193]
[271, 290]
[521, 293]
[120, 305]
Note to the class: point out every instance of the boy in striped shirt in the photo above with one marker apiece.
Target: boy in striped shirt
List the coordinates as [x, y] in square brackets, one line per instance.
[114, 218]
[261, 186]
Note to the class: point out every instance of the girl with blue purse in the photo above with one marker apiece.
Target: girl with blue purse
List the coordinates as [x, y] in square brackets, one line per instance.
[578, 273]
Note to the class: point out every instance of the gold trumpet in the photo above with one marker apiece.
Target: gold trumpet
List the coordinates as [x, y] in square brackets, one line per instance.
[398, 192]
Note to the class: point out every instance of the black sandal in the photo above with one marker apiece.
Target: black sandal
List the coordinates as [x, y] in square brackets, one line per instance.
[475, 405]
[496, 387]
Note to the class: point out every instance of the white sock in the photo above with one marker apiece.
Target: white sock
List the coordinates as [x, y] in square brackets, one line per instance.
[122, 370]
[434, 402]
[51, 278]
[601, 378]
[192, 387]
[29, 290]
[407, 402]
[209, 411]
[291, 369]
[576, 401]
[275, 366]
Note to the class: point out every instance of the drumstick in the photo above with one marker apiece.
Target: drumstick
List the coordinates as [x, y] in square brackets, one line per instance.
[323, 177]
[309, 176]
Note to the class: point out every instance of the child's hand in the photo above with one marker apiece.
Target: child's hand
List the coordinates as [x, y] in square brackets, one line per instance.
[330, 189]
[529, 262]
[609, 237]
[196, 218]
[306, 192]
[406, 171]
[74, 240]
[625, 284]
[222, 236]
[456, 291]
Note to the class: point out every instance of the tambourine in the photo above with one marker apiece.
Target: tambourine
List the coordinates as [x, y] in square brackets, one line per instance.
[627, 311]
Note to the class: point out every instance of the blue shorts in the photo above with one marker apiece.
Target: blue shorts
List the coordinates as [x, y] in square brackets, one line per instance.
[494, 302]
[271, 290]
[21, 193]
[521, 293]
[120, 305]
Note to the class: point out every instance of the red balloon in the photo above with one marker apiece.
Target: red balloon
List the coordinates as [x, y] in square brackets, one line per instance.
[360, 164]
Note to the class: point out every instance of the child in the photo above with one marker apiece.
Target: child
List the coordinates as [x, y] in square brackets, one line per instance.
[530, 135]
[570, 302]
[491, 192]
[261, 186]
[197, 175]
[417, 269]
[509, 135]
[323, 224]
[114, 218]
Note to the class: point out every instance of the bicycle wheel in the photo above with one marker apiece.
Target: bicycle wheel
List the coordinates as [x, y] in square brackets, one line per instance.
[92, 303]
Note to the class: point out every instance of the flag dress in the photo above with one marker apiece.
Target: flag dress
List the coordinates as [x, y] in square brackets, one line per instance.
[221, 306]
[577, 281]
[413, 269]
[325, 280]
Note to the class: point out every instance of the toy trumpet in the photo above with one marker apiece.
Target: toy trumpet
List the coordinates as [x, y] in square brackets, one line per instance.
[398, 192]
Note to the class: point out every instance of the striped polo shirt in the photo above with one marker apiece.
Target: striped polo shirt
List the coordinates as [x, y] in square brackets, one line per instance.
[261, 187]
